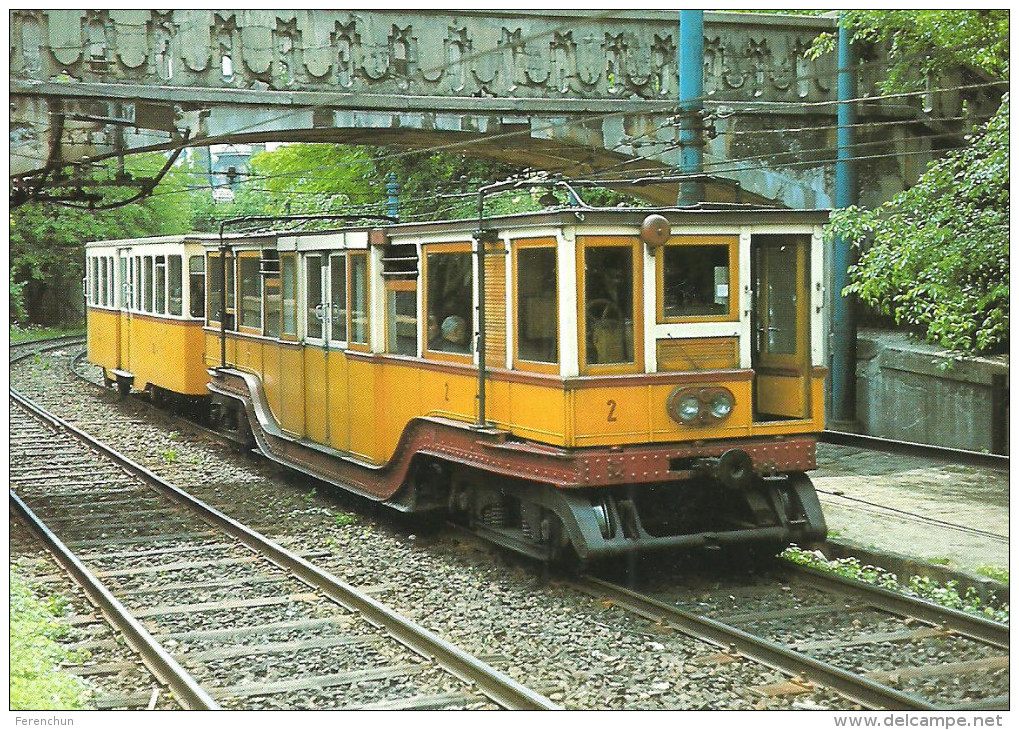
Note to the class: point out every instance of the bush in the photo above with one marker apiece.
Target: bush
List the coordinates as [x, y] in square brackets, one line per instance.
[36, 682]
[935, 257]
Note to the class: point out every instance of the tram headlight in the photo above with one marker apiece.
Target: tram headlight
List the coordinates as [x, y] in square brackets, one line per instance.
[690, 406]
[720, 405]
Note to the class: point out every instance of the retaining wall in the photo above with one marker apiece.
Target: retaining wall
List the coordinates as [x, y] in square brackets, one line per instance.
[912, 391]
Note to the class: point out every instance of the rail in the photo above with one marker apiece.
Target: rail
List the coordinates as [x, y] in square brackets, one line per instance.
[490, 682]
[911, 448]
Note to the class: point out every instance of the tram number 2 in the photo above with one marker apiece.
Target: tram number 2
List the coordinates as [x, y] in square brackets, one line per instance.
[611, 417]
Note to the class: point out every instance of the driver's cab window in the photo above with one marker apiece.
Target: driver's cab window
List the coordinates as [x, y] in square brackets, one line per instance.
[610, 316]
[697, 279]
[449, 300]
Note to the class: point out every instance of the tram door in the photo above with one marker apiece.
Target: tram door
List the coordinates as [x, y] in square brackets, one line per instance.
[316, 335]
[781, 352]
[326, 301]
[125, 274]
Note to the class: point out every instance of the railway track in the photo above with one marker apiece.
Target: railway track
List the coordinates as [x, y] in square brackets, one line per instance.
[221, 615]
[944, 454]
[876, 647]
[884, 626]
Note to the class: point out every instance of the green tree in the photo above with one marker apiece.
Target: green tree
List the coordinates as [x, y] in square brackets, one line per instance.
[935, 257]
[922, 43]
[47, 240]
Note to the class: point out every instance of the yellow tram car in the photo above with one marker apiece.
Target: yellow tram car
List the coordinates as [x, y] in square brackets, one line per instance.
[601, 380]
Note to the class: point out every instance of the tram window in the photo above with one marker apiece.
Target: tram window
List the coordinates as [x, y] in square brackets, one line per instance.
[608, 304]
[358, 298]
[124, 286]
[537, 305]
[113, 281]
[196, 284]
[271, 304]
[251, 292]
[450, 295]
[147, 283]
[338, 297]
[313, 296]
[93, 281]
[215, 286]
[288, 285]
[160, 285]
[175, 285]
[402, 318]
[694, 281]
[138, 283]
[102, 280]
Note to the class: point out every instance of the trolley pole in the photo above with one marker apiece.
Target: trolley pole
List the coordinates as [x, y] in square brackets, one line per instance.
[843, 333]
[691, 106]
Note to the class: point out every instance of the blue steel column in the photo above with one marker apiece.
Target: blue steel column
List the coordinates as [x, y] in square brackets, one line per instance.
[843, 335]
[691, 103]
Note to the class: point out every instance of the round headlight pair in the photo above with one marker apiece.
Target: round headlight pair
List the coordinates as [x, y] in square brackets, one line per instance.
[688, 406]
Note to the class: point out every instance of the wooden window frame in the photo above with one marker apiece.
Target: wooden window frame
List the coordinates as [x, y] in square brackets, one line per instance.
[213, 256]
[442, 248]
[732, 241]
[102, 282]
[136, 296]
[549, 368]
[159, 307]
[394, 285]
[634, 244]
[190, 279]
[149, 278]
[272, 281]
[303, 277]
[347, 320]
[89, 299]
[351, 343]
[240, 256]
[295, 335]
[169, 282]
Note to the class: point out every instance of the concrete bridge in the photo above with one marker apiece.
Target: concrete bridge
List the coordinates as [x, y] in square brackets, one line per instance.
[582, 93]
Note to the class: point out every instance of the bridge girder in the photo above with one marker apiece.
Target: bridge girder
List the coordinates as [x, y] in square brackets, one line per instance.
[571, 92]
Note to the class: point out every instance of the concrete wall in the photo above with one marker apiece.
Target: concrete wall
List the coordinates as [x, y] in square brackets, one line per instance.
[912, 391]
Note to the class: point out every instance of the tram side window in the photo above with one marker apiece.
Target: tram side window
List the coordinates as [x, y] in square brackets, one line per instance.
[537, 305]
[93, 281]
[358, 264]
[196, 284]
[111, 283]
[608, 304]
[288, 285]
[694, 281]
[102, 280]
[402, 318]
[251, 292]
[139, 279]
[271, 304]
[313, 296]
[338, 297]
[175, 285]
[215, 286]
[147, 283]
[160, 285]
[125, 287]
[450, 302]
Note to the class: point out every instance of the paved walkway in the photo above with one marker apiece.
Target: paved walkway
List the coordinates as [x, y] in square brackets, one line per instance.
[915, 506]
